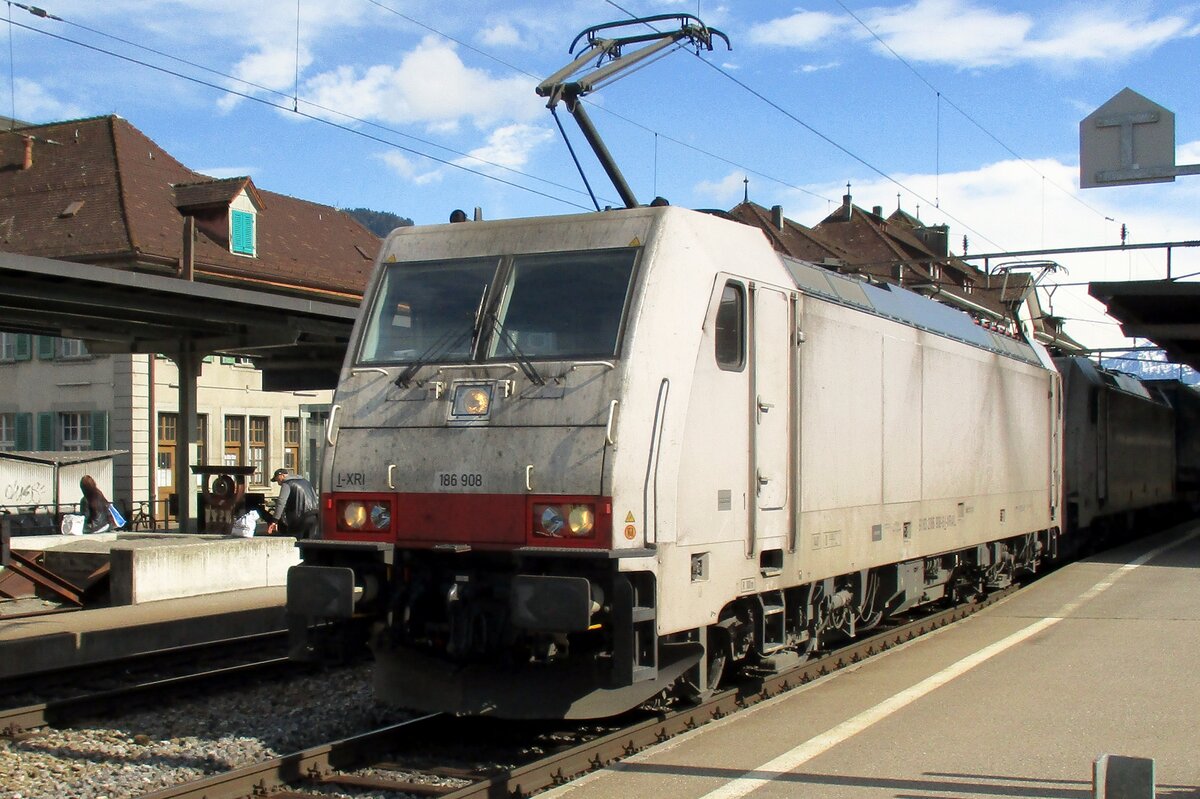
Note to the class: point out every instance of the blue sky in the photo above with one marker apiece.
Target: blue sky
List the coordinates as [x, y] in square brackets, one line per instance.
[964, 111]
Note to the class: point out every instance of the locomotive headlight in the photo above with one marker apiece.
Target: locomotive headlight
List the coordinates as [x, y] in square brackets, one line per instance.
[581, 520]
[354, 515]
[372, 515]
[564, 521]
[473, 400]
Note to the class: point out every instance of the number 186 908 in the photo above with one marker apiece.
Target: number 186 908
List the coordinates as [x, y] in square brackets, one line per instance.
[449, 481]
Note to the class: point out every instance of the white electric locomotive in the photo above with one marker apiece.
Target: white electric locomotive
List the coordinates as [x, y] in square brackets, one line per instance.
[579, 464]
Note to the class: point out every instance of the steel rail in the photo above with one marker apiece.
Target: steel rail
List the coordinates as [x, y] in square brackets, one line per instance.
[15, 722]
[142, 661]
[316, 765]
[600, 752]
[267, 776]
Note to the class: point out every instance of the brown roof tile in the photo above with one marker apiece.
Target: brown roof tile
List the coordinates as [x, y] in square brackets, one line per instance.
[129, 189]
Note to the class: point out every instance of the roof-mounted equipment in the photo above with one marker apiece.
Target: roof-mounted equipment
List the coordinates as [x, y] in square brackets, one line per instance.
[611, 59]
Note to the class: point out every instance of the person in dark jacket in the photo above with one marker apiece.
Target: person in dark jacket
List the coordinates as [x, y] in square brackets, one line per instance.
[93, 506]
[296, 507]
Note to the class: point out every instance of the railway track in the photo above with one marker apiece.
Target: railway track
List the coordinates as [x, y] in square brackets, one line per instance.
[376, 760]
[23, 720]
[99, 677]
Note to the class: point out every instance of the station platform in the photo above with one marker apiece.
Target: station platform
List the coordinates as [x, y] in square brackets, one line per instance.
[36, 644]
[153, 566]
[162, 590]
[1019, 700]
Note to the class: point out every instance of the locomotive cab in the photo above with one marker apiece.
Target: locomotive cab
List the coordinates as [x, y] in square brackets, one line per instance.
[468, 511]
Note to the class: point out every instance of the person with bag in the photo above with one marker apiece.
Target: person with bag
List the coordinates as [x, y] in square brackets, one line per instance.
[99, 515]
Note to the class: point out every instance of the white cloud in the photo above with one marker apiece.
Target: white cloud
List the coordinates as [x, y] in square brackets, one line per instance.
[810, 68]
[967, 34]
[500, 35]
[229, 171]
[510, 146]
[727, 191]
[431, 85]
[408, 169]
[971, 35]
[1103, 34]
[34, 103]
[802, 29]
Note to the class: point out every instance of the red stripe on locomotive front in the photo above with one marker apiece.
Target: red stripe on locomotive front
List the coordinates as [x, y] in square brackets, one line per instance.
[488, 520]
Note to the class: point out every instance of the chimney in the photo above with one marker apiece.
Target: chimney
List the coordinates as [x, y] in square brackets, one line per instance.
[847, 204]
[878, 211]
[28, 163]
[777, 216]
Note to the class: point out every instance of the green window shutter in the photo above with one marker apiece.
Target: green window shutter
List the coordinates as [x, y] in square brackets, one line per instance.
[45, 431]
[99, 429]
[242, 232]
[45, 348]
[24, 347]
[24, 421]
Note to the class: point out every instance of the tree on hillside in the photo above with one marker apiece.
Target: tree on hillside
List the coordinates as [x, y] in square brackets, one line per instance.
[380, 223]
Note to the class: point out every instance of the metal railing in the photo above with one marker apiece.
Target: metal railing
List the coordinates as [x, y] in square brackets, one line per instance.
[46, 519]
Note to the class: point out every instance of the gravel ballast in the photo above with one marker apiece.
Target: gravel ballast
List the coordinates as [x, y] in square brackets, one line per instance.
[149, 749]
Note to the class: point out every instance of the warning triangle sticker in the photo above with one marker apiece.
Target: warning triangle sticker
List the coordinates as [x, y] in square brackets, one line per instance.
[636, 242]
[629, 517]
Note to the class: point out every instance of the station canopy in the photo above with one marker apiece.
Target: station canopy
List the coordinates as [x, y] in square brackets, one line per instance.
[297, 343]
[1166, 312]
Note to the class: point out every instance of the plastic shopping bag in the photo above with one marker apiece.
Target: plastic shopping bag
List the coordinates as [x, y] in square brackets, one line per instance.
[72, 524]
[117, 519]
[245, 525]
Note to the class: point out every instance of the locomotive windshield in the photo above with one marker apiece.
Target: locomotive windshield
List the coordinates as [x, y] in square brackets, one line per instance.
[546, 306]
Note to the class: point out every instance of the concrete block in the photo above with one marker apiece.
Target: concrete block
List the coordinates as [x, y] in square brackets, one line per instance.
[168, 568]
[1121, 777]
[74, 566]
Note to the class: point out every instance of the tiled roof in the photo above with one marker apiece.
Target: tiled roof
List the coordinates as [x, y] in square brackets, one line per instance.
[124, 192]
[788, 236]
[867, 243]
[215, 192]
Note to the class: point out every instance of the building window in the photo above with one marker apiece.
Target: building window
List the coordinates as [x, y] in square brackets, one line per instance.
[235, 436]
[935, 271]
[258, 448]
[968, 286]
[241, 232]
[291, 445]
[72, 348]
[75, 431]
[202, 439]
[15, 346]
[731, 328]
[8, 432]
[168, 429]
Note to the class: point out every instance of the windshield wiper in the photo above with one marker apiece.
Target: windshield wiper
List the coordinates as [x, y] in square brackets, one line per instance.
[522, 361]
[446, 342]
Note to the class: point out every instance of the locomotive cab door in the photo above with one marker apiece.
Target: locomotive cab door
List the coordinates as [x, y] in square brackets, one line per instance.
[771, 422]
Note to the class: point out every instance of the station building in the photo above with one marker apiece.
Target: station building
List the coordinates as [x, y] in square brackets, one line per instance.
[98, 191]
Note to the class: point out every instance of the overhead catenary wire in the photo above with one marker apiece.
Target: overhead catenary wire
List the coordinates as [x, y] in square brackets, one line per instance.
[824, 137]
[301, 113]
[602, 109]
[956, 107]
